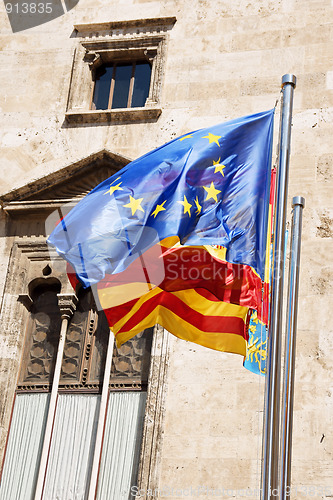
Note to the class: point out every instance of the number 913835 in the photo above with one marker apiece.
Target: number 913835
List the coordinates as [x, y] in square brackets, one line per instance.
[29, 8]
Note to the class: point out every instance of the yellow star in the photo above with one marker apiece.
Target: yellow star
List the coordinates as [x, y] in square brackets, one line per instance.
[186, 137]
[186, 205]
[134, 204]
[159, 208]
[212, 138]
[211, 192]
[114, 188]
[199, 207]
[218, 167]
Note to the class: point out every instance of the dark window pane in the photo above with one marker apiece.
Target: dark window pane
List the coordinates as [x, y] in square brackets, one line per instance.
[122, 83]
[102, 87]
[141, 84]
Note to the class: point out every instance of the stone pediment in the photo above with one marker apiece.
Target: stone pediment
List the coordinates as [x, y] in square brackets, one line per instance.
[65, 185]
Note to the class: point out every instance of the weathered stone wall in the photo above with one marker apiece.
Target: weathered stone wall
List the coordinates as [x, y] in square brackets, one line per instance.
[224, 59]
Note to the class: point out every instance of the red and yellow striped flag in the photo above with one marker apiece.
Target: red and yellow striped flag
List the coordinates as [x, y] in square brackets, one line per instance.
[191, 291]
[193, 314]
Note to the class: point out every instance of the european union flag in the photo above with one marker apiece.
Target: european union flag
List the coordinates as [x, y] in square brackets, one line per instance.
[209, 187]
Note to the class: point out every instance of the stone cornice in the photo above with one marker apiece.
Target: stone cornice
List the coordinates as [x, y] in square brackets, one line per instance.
[16, 208]
[51, 180]
[127, 115]
[82, 29]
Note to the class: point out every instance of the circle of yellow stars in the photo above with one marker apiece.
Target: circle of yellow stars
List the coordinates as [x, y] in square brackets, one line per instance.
[134, 204]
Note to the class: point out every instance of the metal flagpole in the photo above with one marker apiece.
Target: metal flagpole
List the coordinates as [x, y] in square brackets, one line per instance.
[270, 473]
[288, 392]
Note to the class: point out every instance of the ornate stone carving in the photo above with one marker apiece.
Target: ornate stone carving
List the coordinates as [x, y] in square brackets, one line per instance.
[131, 360]
[75, 363]
[67, 304]
[85, 347]
[26, 300]
[41, 342]
[71, 361]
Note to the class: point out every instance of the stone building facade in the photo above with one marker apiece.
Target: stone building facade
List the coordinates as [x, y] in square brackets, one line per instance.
[210, 62]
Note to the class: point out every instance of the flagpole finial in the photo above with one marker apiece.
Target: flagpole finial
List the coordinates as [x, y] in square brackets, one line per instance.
[298, 200]
[289, 78]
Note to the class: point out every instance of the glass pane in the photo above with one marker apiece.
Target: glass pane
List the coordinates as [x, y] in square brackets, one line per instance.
[71, 451]
[141, 84]
[121, 445]
[102, 87]
[24, 447]
[122, 83]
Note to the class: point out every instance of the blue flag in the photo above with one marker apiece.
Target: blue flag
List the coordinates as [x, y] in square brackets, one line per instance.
[208, 187]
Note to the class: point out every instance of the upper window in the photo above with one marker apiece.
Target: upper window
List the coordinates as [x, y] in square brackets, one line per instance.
[121, 85]
[117, 71]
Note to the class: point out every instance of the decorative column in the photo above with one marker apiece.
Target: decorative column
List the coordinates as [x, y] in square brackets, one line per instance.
[67, 305]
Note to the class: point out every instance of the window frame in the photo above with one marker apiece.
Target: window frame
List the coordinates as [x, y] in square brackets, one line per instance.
[103, 43]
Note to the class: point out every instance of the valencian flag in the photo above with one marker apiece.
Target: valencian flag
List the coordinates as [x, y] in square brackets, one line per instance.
[256, 348]
[209, 188]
